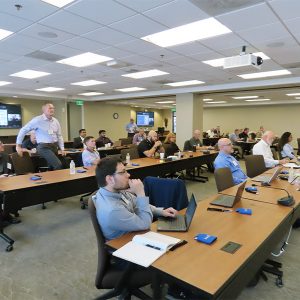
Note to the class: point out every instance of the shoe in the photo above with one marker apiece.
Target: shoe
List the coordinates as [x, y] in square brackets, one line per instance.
[11, 220]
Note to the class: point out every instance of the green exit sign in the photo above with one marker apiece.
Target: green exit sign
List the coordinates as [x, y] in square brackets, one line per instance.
[79, 102]
[173, 109]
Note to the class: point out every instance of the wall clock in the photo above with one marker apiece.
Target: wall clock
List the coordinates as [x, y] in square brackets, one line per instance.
[115, 115]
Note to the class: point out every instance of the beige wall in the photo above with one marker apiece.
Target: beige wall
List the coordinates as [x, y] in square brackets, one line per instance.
[32, 108]
[279, 118]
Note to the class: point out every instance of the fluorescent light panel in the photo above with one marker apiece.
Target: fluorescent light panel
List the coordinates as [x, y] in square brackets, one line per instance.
[145, 74]
[245, 97]
[185, 83]
[4, 33]
[58, 3]
[30, 74]
[88, 82]
[257, 100]
[2, 83]
[217, 102]
[91, 94]
[130, 89]
[84, 60]
[187, 33]
[293, 94]
[50, 89]
[219, 62]
[165, 102]
[264, 74]
[207, 99]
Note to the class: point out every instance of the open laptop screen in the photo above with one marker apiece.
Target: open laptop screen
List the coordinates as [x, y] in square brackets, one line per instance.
[190, 211]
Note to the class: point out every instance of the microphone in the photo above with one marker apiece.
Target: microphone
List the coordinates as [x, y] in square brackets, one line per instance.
[286, 201]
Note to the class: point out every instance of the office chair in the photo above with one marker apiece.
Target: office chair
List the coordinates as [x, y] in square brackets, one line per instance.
[24, 165]
[224, 180]
[165, 192]
[124, 282]
[133, 152]
[298, 142]
[255, 165]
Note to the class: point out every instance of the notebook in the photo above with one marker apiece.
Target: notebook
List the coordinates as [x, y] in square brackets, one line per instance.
[146, 248]
[268, 179]
[230, 201]
[181, 222]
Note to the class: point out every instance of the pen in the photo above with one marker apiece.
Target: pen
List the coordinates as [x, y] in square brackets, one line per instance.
[150, 246]
[219, 209]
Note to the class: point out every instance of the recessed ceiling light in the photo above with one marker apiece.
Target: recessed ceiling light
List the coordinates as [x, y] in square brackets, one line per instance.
[293, 94]
[88, 82]
[91, 94]
[219, 62]
[50, 89]
[174, 104]
[264, 74]
[245, 97]
[185, 83]
[15, 96]
[4, 33]
[30, 74]
[217, 102]
[257, 100]
[130, 89]
[145, 74]
[58, 3]
[2, 83]
[84, 60]
[207, 99]
[165, 102]
[187, 33]
[298, 98]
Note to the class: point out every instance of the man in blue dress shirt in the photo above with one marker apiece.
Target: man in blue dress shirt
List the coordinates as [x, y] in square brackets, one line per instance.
[48, 135]
[226, 160]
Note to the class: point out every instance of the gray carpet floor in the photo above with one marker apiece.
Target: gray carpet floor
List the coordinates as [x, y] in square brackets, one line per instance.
[55, 255]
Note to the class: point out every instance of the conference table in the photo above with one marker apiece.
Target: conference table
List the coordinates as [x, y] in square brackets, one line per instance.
[21, 191]
[207, 270]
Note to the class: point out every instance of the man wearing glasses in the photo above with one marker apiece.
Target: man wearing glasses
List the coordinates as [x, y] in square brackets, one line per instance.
[226, 160]
[121, 203]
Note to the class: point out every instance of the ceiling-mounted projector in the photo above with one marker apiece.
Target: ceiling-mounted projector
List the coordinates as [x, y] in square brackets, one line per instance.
[242, 60]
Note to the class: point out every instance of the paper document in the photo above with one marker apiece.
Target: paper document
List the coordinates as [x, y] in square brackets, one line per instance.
[291, 165]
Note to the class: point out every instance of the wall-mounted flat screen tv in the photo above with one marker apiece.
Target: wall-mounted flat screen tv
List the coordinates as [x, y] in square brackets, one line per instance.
[10, 116]
[145, 118]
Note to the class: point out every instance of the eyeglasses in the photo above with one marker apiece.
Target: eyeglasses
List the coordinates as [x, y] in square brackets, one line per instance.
[229, 144]
[121, 172]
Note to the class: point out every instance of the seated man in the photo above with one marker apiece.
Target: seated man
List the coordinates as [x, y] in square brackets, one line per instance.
[90, 156]
[151, 145]
[138, 137]
[29, 145]
[234, 138]
[244, 134]
[121, 203]
[263, 148]
[226, 160]
[103, 139]
[194, 141]
[78, 141]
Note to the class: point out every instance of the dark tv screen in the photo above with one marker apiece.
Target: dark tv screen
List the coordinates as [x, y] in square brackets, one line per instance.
[145, 118]
[10, 116]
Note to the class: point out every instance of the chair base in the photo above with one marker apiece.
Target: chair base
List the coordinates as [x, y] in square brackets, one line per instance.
[83, 203]
[7, 239]
[124, 294]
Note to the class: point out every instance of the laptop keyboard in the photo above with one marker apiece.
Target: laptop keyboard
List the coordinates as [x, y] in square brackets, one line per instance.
[174, 223]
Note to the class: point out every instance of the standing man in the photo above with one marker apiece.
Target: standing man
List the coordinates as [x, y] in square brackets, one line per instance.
[151, 145]
[48, 136]
[78, 141]
[263, 147]
[131, 128]
[226, 160]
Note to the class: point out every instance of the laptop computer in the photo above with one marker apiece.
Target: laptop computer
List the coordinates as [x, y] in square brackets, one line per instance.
[181, 222]
[230, 201]
[268, 179]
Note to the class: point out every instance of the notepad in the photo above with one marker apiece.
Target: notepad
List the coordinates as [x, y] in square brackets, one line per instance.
[291, 165]
[144, 249]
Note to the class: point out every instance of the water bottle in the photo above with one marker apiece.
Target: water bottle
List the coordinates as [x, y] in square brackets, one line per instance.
[72, 167]
[179, 154]
[291, 175]
[127, 158]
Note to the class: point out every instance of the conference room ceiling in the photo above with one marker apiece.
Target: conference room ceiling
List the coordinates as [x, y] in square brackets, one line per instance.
[44, 34]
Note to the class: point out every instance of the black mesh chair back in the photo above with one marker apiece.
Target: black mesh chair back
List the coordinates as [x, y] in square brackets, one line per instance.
[22, 165]
[187, 146]
[224, 180]
[133, 152]
[255, 165]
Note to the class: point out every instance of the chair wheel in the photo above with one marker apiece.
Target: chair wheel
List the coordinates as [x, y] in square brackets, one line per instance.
[17, 214]
[83, 206]
[9, 248]
[279, 282]
[44, 206]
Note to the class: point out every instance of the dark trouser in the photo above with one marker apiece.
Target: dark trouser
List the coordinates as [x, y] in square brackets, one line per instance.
[49, 152]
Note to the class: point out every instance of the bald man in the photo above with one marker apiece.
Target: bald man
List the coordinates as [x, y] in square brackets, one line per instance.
[226, 160]
[194, 141]
[263, 147]
[150, 145]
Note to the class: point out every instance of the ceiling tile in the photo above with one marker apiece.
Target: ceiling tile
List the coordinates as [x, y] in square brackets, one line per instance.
[182, 12]
[293, 25]
[161, 54]
[247, 18]
[189, 48]
[286, 9]
[114, 52]
[138, 26]
[101, 11]
[143, 5]
[138, 46]
[83, 44]
[12, 23]
[62, 50]
[71, 23]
